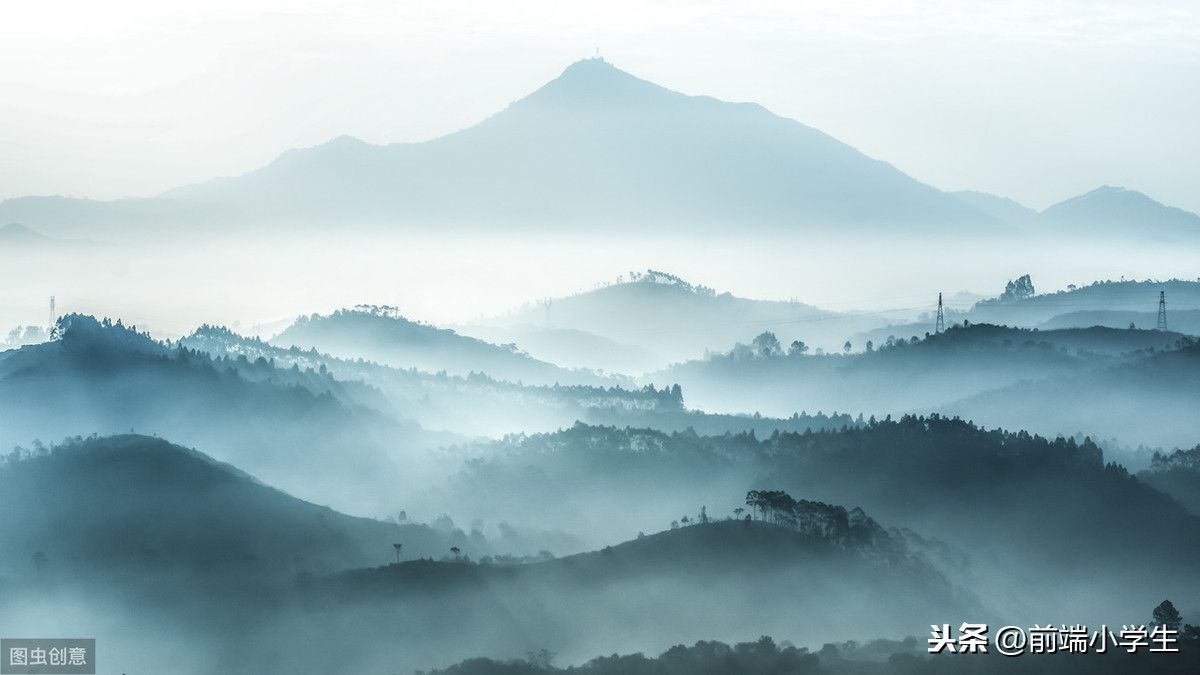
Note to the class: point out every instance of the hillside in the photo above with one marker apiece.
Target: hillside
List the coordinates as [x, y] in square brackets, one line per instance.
[1149, 400]
[1002, 209]
[437, 400]
[932, 474]
[189, 515]
[675, 319]
[900, 375]
[284, 426]
[634, 595]
[381, 334]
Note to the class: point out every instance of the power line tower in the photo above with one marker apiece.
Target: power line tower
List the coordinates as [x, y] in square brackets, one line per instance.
[940, 326]
[53, 318]
[1162, 311]
[547, 303]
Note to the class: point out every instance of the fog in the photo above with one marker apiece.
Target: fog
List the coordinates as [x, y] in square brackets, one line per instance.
[170, 283]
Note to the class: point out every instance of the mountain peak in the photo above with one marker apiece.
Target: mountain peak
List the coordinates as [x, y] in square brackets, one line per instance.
[594, 81]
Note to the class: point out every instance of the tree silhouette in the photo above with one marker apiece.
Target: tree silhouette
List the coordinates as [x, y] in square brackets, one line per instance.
[456, 551]
[1166, 615]
[766, 345]
[397, 547]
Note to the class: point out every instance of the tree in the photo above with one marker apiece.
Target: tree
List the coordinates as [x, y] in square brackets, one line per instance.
[1019, 289]
[847, 347]
[1166, 615]
[737, 513]
[797, 348]
[456, 551]
[766, 345]
[703, 514]
[870, 346]
[397, 547]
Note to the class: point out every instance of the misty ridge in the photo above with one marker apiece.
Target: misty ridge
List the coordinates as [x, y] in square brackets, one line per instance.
[661, 473]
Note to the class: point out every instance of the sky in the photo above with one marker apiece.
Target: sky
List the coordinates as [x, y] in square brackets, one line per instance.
[1037, 101]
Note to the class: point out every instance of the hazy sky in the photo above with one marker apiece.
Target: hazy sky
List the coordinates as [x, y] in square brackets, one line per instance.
[1034, 100]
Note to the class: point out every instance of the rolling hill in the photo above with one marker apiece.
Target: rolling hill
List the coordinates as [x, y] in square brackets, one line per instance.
[381, 334]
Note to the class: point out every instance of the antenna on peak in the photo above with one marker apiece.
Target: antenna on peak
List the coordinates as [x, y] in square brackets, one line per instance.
[597, 56]
[940, 326]
[1162, 311]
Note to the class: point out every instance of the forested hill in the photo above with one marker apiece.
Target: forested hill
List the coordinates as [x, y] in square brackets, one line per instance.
[498, 407]
[677, 319]
[381, 334]
[903, 375]
[277, 424]
[622, 594]
[930, 473]
[70, 513]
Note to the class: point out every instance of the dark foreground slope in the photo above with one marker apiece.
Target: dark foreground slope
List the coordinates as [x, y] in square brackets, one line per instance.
[104, 508]
[728, 578]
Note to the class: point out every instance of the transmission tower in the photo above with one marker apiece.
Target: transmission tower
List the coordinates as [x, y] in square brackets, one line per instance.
[50, 326]
[1162, 311]
[547, 303]
[941, 318]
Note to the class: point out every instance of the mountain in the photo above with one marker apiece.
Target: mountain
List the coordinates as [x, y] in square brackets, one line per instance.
[136, 504]
[1116, 210]
[598, 146]
[1002, 209]
[381, 334]
[595, 147]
